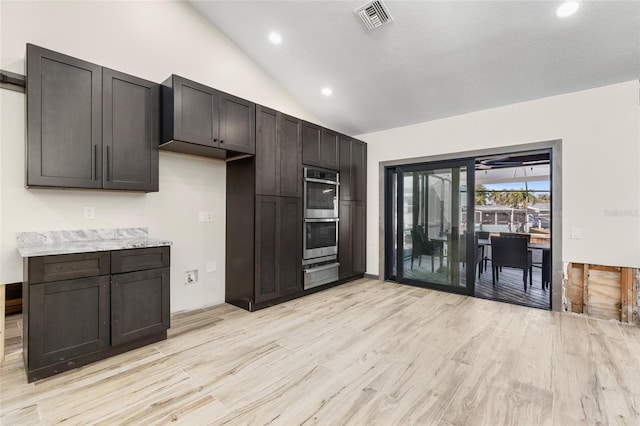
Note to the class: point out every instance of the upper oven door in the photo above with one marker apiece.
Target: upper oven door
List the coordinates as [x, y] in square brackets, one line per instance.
[320, 198]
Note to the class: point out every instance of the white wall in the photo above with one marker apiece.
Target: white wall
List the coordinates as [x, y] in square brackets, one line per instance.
[600, 133]
[151, 40]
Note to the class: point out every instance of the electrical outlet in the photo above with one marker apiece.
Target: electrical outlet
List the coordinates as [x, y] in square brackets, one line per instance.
[89, 213]
[205, 216]
[191, 277]
[212, 266]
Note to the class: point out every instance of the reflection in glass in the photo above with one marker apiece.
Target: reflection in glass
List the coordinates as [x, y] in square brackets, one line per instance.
[434, 218]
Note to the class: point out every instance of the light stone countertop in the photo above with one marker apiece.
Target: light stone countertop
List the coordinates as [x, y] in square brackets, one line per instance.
[31, 244]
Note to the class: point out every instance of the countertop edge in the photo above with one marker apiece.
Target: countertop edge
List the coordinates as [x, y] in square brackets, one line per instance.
[74, 247]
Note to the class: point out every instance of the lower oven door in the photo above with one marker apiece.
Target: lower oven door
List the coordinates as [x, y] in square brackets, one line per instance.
[319, 275]
[320, 238]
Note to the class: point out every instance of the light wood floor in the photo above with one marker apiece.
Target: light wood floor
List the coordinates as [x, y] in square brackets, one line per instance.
[364, 353]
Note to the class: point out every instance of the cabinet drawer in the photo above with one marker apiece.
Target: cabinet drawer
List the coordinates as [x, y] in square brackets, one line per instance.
[62, 267]
[140, 259]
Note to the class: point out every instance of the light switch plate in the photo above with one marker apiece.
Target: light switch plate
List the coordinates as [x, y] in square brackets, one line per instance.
[212, 266]
[576, 233]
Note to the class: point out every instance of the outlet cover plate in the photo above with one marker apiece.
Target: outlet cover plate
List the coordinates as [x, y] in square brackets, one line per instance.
[89, 212]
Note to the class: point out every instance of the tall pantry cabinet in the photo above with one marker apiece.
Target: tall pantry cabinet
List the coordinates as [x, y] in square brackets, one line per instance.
[264, 214]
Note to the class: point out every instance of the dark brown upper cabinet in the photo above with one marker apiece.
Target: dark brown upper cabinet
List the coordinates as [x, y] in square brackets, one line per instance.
[353, 169]
[130, 132]
[330, 150]
[88, 126]
[311, 140]
[200, 120]
[278, 153]
[320, 147]
[64, 120]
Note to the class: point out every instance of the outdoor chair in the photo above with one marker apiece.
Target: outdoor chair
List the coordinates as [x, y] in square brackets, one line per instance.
[421, 245]
[484, 235]
[510, 252]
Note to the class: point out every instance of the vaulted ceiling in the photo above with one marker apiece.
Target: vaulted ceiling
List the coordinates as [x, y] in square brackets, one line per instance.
[435, 59]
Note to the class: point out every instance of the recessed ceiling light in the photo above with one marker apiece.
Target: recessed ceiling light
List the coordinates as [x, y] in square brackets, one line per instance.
[567, 8]
[327, 91]
[275, 38]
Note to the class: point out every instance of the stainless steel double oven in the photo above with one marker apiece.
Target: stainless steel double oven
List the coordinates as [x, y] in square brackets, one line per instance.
[320, 244]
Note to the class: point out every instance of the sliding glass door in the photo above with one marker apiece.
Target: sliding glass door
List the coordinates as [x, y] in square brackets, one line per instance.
[430, 225]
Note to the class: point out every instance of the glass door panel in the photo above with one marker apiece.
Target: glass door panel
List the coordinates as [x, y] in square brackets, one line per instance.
[431, 221]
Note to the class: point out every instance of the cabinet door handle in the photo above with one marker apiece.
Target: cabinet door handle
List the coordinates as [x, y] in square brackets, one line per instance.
[95, 162]
[215, 140]
[221, 140]
[108, 164]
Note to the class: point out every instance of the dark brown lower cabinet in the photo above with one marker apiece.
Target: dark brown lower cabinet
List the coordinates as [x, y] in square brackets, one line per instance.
[79, 308]
[68, 319]
[351, 239]
[139, 305]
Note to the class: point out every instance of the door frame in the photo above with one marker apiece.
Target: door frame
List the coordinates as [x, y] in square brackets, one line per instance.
[555, 149]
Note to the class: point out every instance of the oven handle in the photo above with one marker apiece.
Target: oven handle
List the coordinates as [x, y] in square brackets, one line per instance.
[321, 268]
[329, 182]
[327, 219]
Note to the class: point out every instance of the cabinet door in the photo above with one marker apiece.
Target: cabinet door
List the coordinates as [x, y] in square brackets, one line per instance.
[237, 124]
[131, 132]
[67, 319]
[358, 237]
[139, 305]
[353, 169]
[64, 120]
[311, 137]
[290, 245]
[330, 150]
[267, 151]
[266, 250]
[195, 112]
[345, 168]
[358, 170]
[345, 245]
[352, 239]
[290, 155]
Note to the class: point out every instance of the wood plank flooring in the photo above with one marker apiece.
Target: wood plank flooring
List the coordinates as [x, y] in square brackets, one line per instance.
[367, 352]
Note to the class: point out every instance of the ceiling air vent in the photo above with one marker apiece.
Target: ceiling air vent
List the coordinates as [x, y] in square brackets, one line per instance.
[373, 14]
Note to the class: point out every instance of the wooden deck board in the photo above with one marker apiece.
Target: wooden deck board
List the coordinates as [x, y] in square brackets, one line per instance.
[367, 352]
[509, 288]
